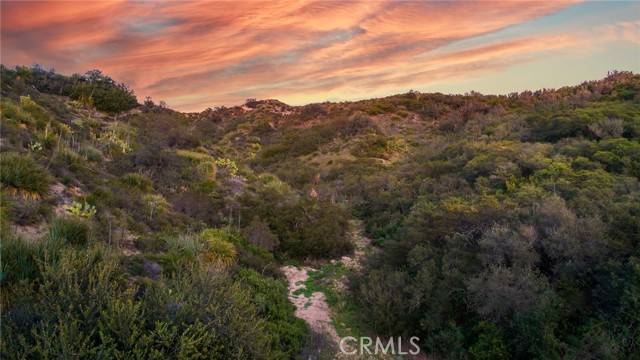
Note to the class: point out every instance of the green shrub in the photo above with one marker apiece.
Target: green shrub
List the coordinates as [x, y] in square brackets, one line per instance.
[218, 249]
[81, 209]
[70, 230]
[376, 146]
[18, 260]
[37, 112]
[137, 181]
[22, 175]
[285, 332]
[380, 107]
[490, 343]
[91, 153]
[11, 111]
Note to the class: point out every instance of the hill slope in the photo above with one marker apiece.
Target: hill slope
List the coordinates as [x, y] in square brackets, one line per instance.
[505, 226]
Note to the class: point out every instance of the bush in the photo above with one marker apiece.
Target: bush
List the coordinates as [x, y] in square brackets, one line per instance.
[23, 175]
[137, 181]
[37, 112]
[103, 92]
[19, 260]
[186, 245]
[70, 230]
[220, 251]
[28, 211]
[258, 233]
[91, 153]
[286, 333]
[490, 343]
[82, 306]
[11, 111]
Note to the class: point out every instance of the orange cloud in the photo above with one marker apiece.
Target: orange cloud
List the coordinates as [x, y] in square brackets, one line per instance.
[199, 54]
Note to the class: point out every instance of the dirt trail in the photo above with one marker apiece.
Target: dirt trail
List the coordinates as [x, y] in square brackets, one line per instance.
[314, 310]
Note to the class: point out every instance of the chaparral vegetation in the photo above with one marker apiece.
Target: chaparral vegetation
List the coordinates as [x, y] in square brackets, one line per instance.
[501, 226]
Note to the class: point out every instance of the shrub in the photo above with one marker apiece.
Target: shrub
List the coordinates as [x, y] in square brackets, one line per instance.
[104, 93]
[11, 111]
[70, 230]
[286, 333]
[137, 181]
[187, 245]
[65, 160]
[376, 146]
[82, 209]
[83, 306]
[218, 249]
[490, 343]
[19, 260]
[91, 153]
[23, 175]
[28, 211]
[37, 112]
[258, 233]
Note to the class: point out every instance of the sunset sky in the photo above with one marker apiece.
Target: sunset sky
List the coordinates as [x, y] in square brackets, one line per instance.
[196, 55]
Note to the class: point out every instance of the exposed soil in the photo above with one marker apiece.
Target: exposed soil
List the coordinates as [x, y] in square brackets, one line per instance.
[314, 310]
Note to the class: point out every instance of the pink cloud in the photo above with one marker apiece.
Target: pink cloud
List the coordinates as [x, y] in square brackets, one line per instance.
[198, 54]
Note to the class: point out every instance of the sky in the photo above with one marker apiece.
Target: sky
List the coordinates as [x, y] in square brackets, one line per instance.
[195, 55]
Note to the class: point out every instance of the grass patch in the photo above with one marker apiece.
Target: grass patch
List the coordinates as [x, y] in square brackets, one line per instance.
[23, 175]
[70, 230]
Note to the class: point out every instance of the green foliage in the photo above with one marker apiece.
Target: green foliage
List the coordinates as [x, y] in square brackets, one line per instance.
[91, 153]
[24, 176]
[376, 146]
[502, 226]
[19, 260]
[93, 88]
[286, 332]
[321, 232]
[83, 306]
[258, 233]
[380, 107]
[227, 164]
[305, 141]
[70, 230]
[602, 119]
[82, 209]
[137, 181]
[496, 242]
[218, 249]
[490, 343]
[188, 246]
[37, 112]
[12, 112]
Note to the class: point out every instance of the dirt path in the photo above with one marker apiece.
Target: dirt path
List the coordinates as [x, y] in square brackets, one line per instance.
[314, 310]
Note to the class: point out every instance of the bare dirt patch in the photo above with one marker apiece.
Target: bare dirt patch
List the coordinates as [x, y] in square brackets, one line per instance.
[314, 310]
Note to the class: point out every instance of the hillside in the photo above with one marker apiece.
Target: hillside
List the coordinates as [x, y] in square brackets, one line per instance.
[500, 226]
